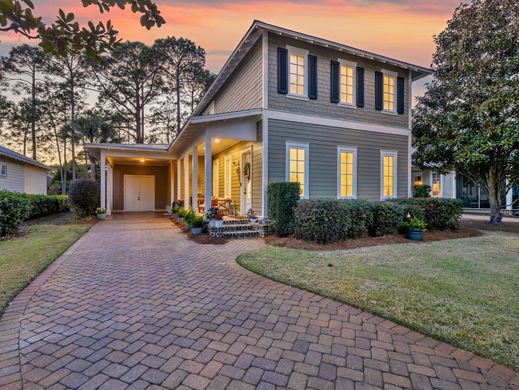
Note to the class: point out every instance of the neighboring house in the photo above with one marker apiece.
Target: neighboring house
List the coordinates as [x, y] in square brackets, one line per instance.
[285, 106]
[458, 186]
[22, 174]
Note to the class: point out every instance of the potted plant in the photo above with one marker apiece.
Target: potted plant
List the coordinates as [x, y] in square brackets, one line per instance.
[218, 220]
[197, 225]
[190, 215]
[101, 213]
[251, 215]
[209, 216]
[181, 214]
[415, 228]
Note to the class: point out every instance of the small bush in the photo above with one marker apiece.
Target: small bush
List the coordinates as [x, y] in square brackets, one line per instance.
[422, 191]
[321, 221]
[190, 217]
[84, 197]
[14, 209]
[361, 215]
[387, 219]
[282, 198]
[416, 224]
[197, 221]
[42, 205]
[439, 213]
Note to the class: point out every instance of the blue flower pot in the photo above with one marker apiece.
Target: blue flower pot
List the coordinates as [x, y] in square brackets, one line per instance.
[180, 220]
[196, 231]
[101, 217]
[415, 235]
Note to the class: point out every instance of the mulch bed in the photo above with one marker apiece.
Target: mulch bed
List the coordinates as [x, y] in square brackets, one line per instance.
[292, 242]
[505, 226]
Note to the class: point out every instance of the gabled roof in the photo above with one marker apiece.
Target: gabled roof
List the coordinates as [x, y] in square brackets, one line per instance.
[255, 31]
[20, 157]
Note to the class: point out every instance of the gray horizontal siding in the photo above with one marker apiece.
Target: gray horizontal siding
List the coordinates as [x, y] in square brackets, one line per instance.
[14, 181]
[243, 90]
[322, 106]
[323, 142]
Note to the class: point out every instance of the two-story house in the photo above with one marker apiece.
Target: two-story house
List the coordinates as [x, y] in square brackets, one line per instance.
[286, 106]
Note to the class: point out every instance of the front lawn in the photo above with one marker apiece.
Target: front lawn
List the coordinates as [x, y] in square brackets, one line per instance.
[24, 257]
[464, 291]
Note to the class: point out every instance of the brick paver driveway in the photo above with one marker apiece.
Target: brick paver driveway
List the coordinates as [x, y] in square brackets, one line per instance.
[134, 303]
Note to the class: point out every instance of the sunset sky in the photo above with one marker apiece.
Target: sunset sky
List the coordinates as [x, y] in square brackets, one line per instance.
[402, 29]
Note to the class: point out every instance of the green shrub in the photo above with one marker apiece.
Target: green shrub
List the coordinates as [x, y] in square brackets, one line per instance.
[439, 213]
[42, 205]
[422, 191]
[14, 209]
[416, 224]
[181, 213]
[190, 216]
[361, 215]
[282, 198]
[387, 218]
[84, 197]
[197, 221]
[322, 221]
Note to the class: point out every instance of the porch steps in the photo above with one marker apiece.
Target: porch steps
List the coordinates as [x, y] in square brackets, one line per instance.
[238, 228]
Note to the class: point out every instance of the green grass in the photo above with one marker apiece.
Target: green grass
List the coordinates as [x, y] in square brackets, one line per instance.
[25, 257]
[465, 291]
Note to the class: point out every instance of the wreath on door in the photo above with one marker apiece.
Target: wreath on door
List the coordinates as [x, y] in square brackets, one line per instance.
[246, 171]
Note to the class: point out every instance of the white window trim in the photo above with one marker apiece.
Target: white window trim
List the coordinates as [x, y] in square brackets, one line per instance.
[354, 66]
[306, 147]
[216, 178]
[394, 75]
[1, 168]
[353, 150]
[395, 176]
[227, 177]
[304, 53]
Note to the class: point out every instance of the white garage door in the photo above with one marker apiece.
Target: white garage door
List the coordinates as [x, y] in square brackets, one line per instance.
[139, 192]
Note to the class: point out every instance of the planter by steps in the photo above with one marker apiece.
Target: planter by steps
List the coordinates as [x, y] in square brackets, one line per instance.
[180, 220]
[101, 216]
[187, 227]
[218, 223]
[197, 230]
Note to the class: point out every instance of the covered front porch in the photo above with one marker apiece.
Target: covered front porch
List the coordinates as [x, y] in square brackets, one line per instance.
[216, 161]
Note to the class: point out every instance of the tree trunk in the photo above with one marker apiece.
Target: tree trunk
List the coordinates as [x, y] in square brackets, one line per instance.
[177, 81]
[64, 182]
[33, 112]
[72, 119]
[494, 198]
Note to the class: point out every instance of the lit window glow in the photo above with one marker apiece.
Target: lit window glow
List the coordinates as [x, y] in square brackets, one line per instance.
[346, 87]
[297, 74]
[389, 93]
[389, 175]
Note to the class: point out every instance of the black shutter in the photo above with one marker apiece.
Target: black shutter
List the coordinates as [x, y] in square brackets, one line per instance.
[282, 70]
[360, 87]
[400, 95]
[334, 81]
[379, 91]
[312, 77]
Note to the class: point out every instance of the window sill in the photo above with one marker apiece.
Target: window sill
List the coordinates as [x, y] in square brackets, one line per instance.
[389, 112]
[346, 197]
[388, 197]
[299, 97]
[347, 105]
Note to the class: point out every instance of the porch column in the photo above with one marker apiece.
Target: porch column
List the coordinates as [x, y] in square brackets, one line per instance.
[177, 192]
[171, 183]
[109, 188]
[509, 198]
[208, 177]
[194, 178]
[102, 180]
[186, 181]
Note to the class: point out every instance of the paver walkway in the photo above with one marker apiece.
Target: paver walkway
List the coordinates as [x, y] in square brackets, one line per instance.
[134, 303]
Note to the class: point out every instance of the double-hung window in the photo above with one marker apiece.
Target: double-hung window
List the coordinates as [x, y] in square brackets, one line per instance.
[346, 172]
[436, 182]
[347, 83]
[3, 170]
[389, 91]
[388, 170]
[297, 72]
[297, 166]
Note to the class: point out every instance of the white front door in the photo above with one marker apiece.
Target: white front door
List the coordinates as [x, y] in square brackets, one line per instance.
[139, 192]
[246, 181]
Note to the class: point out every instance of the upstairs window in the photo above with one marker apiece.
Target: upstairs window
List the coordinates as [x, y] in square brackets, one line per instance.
[297, 72]
[388, 165]
[297, 166]
[389, 92]
[347, 83]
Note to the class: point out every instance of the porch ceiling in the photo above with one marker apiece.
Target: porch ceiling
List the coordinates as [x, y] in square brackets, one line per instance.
[137, 161]
[218, 145]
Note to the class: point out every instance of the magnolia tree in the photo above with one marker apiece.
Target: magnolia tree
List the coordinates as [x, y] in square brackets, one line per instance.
[468, 118]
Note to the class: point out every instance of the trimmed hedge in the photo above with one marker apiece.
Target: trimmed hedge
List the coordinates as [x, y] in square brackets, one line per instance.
[439, 213]
[16, 207]
[83, 196]
[282, 198]
[326, 221]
